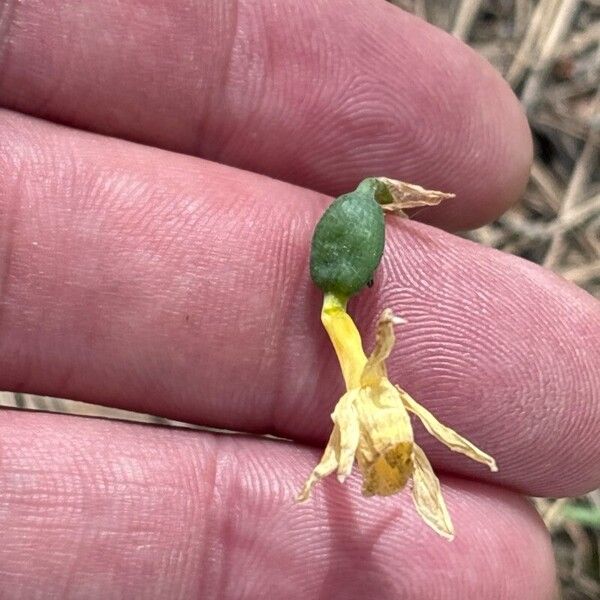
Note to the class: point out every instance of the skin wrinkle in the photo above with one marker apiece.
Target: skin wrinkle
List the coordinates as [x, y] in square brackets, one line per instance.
[268, 99]
[285, 253]
[213, 557]
[258, 541]
[148, 282]
[8, 229]
[343, 159]
[211, 130]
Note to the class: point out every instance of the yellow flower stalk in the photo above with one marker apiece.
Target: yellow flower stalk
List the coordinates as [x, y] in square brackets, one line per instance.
[371, 420]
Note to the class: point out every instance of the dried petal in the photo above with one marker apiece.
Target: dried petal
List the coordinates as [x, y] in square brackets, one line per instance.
[407, 195]
[326, 466]
[385, 449]
[427, 496]
[346, 419]
[444, 434]
[384, 342]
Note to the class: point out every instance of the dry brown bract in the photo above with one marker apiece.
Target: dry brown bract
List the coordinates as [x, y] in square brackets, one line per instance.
[408, 195]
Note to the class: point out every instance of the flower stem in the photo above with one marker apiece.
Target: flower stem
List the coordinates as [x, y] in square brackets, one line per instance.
[345, 338]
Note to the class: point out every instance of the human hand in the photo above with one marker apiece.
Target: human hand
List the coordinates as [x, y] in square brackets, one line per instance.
[148, 279]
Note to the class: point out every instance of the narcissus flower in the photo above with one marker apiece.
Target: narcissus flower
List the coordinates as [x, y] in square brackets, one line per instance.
[371, 423]
[371, 420]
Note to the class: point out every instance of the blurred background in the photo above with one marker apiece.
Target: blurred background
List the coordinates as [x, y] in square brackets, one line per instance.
[549, 52]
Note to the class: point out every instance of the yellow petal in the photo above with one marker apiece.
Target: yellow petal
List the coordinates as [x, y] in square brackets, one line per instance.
[444, 434]
[401, 195]
[385, 449]
[384, 342]
[326, 466]
[427, 496]
[345, 339]
[341, 448]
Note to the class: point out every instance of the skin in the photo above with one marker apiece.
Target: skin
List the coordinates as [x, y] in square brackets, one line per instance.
[143, 276]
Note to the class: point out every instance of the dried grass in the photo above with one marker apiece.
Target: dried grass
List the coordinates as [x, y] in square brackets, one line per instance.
[549, 51]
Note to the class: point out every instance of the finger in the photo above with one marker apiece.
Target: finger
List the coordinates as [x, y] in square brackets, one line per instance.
[93, 507]
[180, 287]
[320, 97]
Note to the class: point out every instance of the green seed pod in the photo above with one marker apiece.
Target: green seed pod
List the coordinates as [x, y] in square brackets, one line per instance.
[348, 242]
